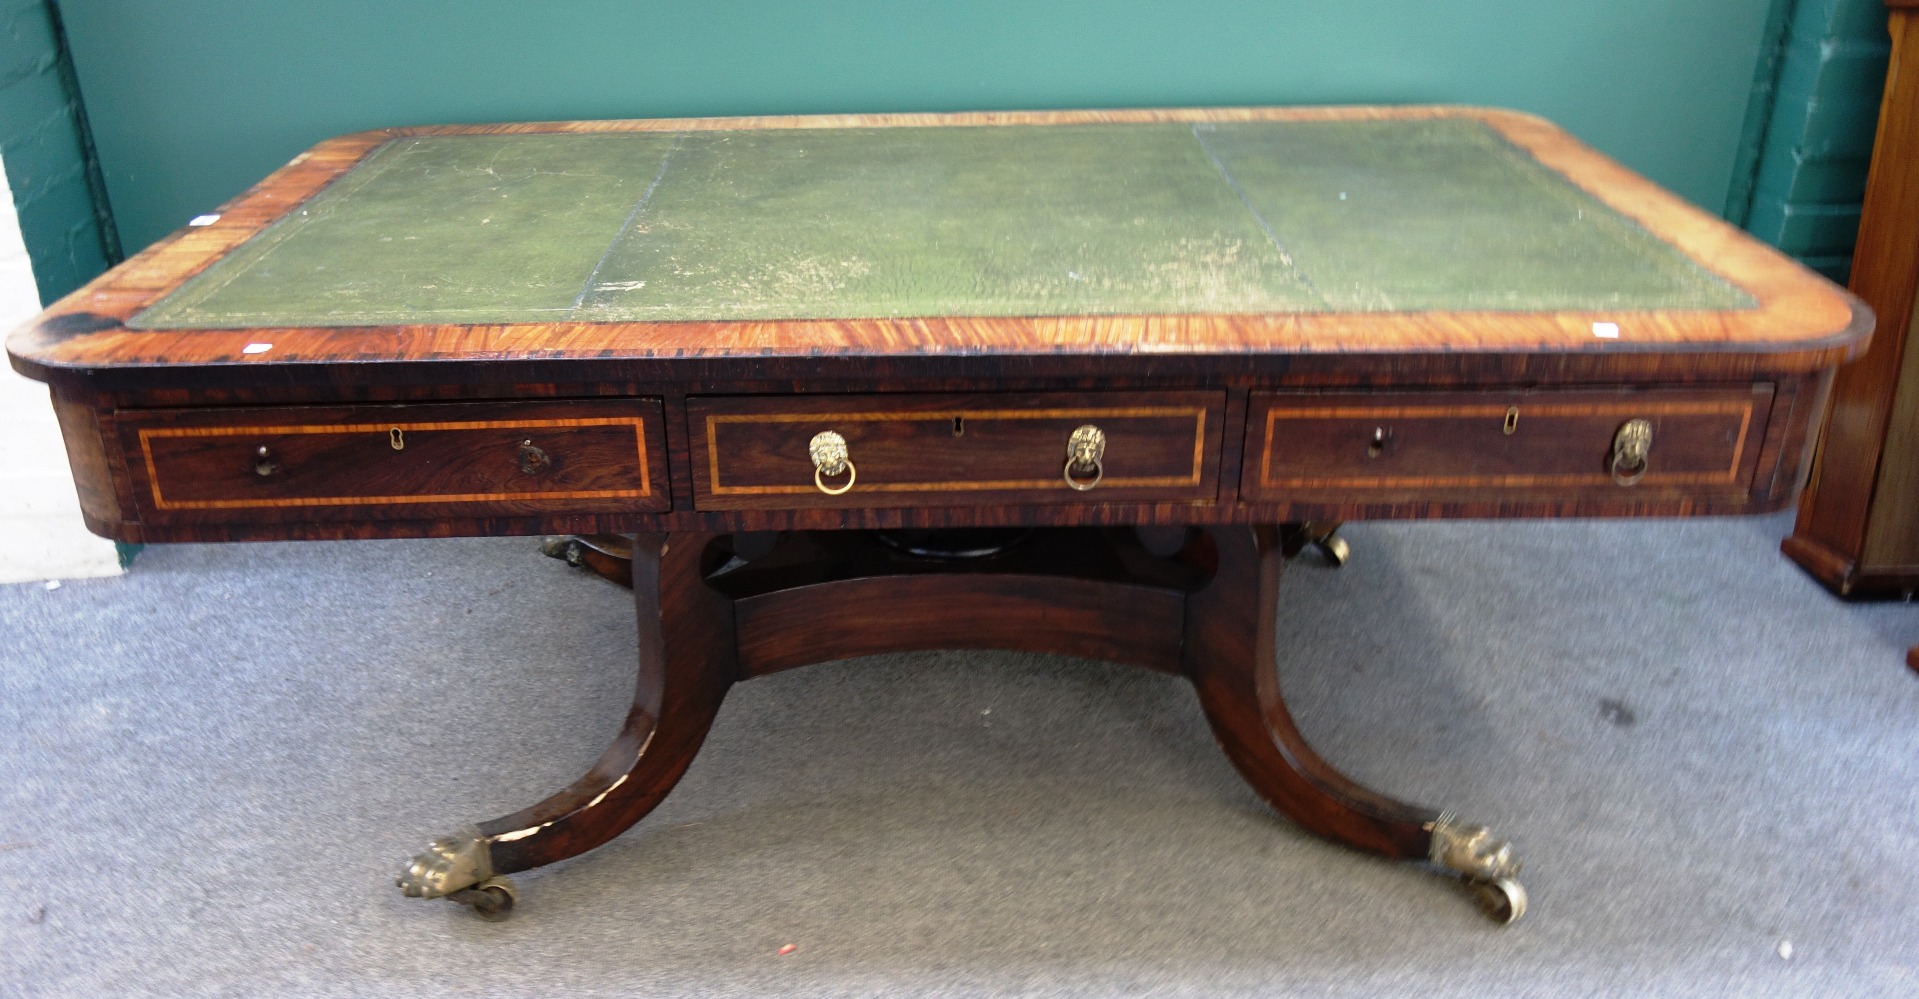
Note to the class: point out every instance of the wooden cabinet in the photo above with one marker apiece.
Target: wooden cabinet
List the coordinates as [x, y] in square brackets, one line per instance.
[1858, 526]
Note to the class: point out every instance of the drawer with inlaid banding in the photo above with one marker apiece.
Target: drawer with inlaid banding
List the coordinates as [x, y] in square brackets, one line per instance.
[397, 462]
[766, 452]
[1568, 442]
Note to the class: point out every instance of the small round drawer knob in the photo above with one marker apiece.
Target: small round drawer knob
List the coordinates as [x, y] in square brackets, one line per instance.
[1630, 448]
[1085, 452]
[533, 461]
[828, 451]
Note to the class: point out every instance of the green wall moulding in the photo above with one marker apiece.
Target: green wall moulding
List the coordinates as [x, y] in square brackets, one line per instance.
[1808, 152]
[46, 145]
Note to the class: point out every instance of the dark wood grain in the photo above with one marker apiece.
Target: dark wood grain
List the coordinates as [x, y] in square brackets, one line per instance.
[1205, 610]
[1091, 593]
[1777, 466]
[685, 666]
[1858, 525]
[1786, 455]
[1039, 614]
[1432, 443]
[98, 473]
[1230, 656]
[910, 449]
[407, 461]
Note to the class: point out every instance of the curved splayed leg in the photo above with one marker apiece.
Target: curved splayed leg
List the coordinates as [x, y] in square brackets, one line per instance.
[1230, 656]
[686, 664]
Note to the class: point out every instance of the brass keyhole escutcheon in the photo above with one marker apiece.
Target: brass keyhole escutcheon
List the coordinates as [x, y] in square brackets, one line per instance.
[533, 461]
[1085, 454]
[1630, 448]
[263, 463]
[830, 458]
[1377, 446]
[1511, 426]
[397, 438]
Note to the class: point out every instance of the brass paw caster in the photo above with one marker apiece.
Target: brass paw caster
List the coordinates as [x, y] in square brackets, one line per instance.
[1503, 900]
[608, 556]
[1484, 863]
[491, 900]
[1321, 536]
[459, 867]
[565, 549]
[1334, 547]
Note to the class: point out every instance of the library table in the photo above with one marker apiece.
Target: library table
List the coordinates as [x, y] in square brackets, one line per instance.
[1073, 382]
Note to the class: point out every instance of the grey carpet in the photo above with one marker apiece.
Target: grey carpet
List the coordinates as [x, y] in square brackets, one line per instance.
[211, 768]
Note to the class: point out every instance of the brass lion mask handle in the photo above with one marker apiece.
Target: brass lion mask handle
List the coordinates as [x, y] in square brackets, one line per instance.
[828, 451]
[1085, 452]
[1630, 448]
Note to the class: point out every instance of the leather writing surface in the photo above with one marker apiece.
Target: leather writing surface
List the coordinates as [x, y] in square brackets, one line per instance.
[805, 223]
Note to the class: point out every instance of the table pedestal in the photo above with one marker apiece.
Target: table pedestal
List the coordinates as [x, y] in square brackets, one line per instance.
[717, 609]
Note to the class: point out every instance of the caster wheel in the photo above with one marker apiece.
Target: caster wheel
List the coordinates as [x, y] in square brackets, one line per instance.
[1335, 548]
[1503, 900]
[491, 900]
[565, 549]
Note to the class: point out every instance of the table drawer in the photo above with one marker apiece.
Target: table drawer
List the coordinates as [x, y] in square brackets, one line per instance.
[753, 452]
[396, 462]
[1377, 446]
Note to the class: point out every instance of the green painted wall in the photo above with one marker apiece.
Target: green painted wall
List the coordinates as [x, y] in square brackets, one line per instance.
[57, 193]
[192, 100]
[1810, 175]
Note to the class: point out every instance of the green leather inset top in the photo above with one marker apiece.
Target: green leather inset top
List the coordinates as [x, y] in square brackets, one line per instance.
[1023, 220]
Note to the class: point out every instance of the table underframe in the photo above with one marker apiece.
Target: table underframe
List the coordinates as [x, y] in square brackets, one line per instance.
[716, 609]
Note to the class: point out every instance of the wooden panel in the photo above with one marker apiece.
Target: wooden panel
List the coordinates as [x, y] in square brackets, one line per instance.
[859, 617]
[228, 465]
[1432, 444]
[943, 450]
[92, 465]
[1892, 531]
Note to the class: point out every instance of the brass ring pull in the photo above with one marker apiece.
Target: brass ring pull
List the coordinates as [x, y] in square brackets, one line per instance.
[1630, 448]
[828, 451]
[1099, 472]
[1085, 452]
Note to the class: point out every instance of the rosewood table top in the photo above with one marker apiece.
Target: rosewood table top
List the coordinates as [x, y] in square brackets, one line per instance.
[1224, 232]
